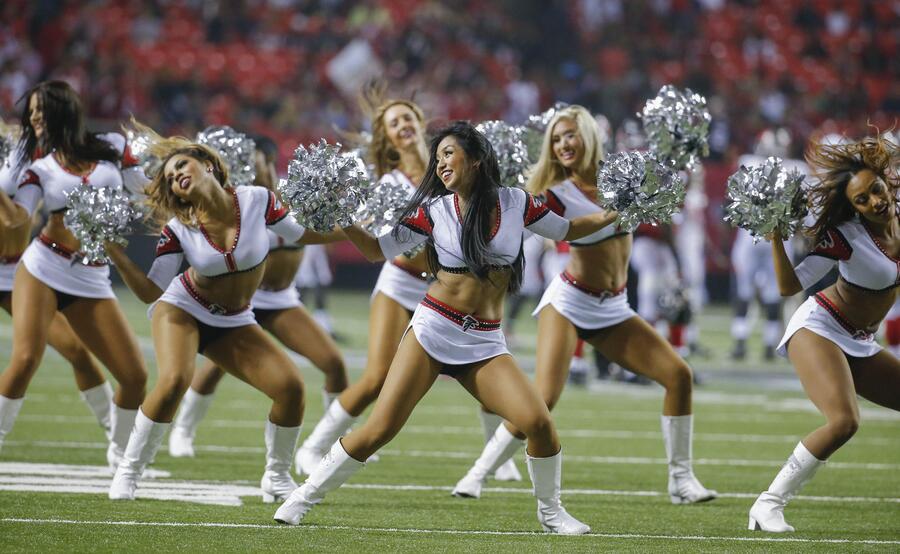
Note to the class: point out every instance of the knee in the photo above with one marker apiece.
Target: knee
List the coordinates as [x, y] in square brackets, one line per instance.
[289, 390]
[844, 427]
[135, 380]
[537, 426]
[171, 386]
[679, 378]
[25, 363]
[370, 386]
[334, 367]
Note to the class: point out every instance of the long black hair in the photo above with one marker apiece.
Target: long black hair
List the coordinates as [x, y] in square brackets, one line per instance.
[477, 222]
[64, 127]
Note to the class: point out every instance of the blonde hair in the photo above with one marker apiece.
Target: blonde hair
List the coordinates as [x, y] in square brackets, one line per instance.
[161, 200]
[382, 153]
[548, 171]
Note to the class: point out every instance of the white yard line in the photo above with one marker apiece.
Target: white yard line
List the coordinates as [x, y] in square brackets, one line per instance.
[283, 528]
[64, 478]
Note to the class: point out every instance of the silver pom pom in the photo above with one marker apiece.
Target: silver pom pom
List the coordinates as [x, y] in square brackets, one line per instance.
[535, 128]
[237, 149]
[640, 188]
[677, 126]
[512, 153]
[140, 144]
[384, 203]
[97, 215]
[9, 141]
[324, 187]
[766, 197]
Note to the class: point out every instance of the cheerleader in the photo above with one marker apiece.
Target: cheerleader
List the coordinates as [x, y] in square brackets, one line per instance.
[52, 281]
[473, 230]
[221, 231]
[399, 154]
[277, 308]
[830, 338]
[588, 301]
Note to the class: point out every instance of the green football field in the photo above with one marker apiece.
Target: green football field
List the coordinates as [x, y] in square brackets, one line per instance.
[748, 418]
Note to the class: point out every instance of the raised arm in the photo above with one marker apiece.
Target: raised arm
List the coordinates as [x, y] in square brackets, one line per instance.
[788, 283]
[139, 283]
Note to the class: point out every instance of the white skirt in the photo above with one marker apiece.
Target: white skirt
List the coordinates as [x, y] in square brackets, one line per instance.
[181, 293]
[7, 276]
[283, 299]
[585, 308]
[401, 286]
[62, 271]
[454, 338]
[821, 317]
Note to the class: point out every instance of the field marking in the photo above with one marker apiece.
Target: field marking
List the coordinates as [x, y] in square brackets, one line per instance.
[471, 455]
[477, 431]
[285, 528]
[64, 478]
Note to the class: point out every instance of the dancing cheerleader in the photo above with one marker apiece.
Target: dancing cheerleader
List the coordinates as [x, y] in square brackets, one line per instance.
[473, 230]
[222, 232]
[277, 308]
[830, 338]
[52, 281]
[588, 301]
[399, 153]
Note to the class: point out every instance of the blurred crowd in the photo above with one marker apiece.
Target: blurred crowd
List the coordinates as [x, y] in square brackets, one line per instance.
[286, 68]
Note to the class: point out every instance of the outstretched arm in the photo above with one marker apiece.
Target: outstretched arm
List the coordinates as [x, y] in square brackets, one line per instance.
[139, 283]
[591, 223]
[367, 244]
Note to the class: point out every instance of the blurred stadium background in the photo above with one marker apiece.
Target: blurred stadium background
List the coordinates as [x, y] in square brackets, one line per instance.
[291, 69]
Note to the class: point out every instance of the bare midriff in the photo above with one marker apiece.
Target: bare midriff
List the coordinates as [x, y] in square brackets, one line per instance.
[863, 309]
[56, 231]
[601, 266]
[281, 268]
[232, 291]
[468, 294]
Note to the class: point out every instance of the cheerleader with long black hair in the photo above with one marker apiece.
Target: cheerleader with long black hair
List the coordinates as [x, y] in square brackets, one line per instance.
[56, 154]
[473, 229]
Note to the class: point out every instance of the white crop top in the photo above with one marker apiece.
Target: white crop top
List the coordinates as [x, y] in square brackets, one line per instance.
[46, 177]
[10, 175]
[440, 219]
[862, 261]
[256, 209]
[567, 200]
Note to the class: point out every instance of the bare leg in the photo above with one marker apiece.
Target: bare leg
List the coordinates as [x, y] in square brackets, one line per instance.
[410, 376]
[636, 345]
[878, 379]
[297, 330]
[825, 374]
[103, 328]
[207, 378]
[387, 322]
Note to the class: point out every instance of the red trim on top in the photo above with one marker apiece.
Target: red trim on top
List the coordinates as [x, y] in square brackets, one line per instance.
[878, 244]
[31, 178]
[555, 203]
[274, 211]
[128, 158]
[459, 216]
[534, 210]
[237, 234]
